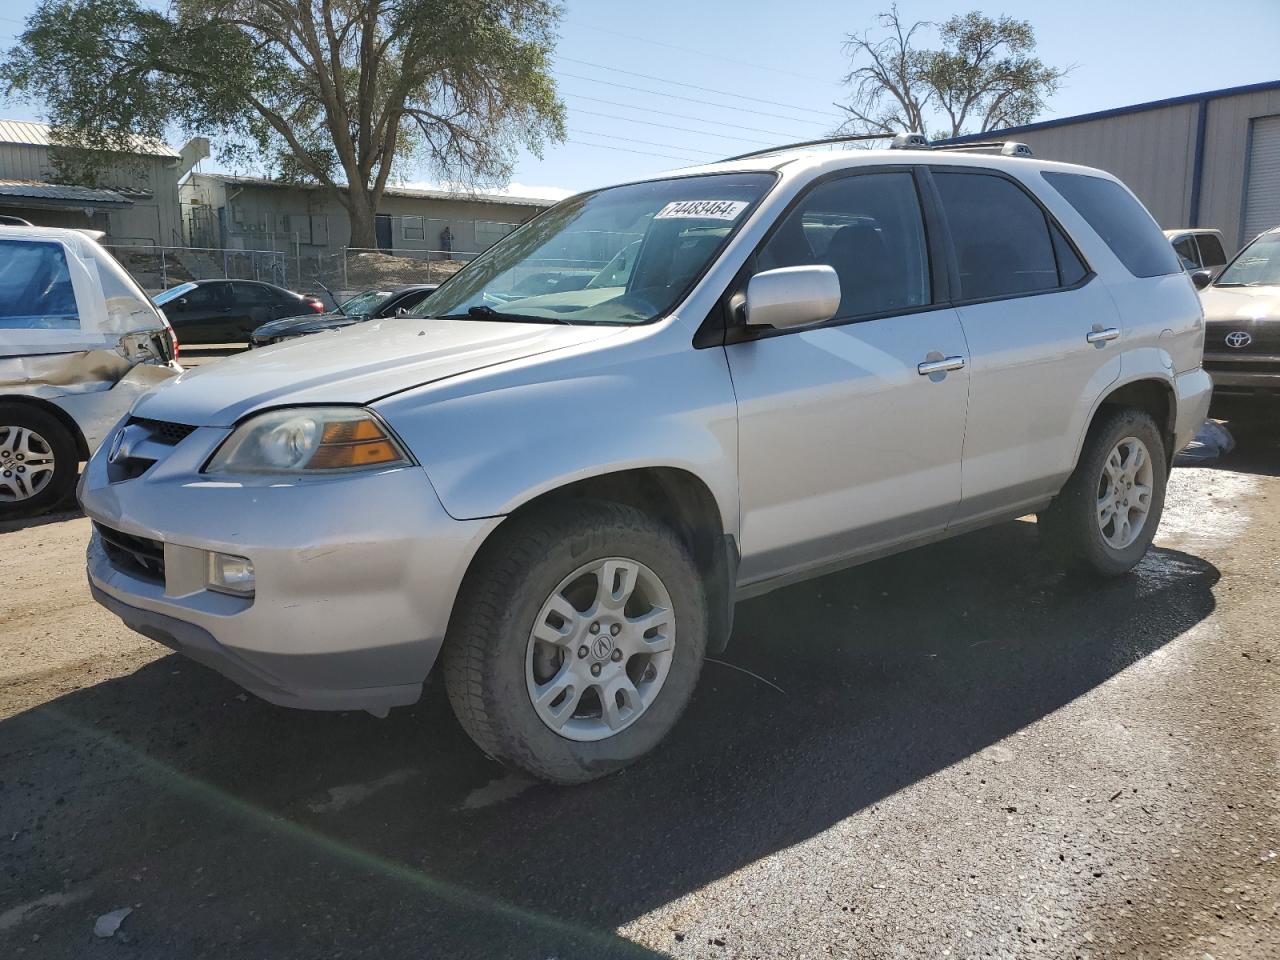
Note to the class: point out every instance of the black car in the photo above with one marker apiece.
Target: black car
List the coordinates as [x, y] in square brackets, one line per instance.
[228, 311]
[369, 305]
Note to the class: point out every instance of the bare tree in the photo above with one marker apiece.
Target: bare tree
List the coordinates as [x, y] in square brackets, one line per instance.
[984, 76]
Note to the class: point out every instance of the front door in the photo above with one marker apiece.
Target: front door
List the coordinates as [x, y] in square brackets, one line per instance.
[845, 445]
[382, 230]
[1043, 336]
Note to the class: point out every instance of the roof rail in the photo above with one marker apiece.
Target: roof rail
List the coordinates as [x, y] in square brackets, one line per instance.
[899, 141]
[1007, 148]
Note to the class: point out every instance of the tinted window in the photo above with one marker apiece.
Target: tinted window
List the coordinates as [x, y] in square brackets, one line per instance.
[411, 299]
[1185, 247]
[869, 229]
[205, 295]
[1211, 252]
[1071, 269]
[256, 295]
[1000, 236]
[1121, 221]
[35, 287]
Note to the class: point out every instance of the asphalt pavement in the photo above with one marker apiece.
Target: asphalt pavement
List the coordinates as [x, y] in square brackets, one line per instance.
[955, 752]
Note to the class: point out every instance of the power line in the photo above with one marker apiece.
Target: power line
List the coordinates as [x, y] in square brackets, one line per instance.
[682, 116]
[643, 153]
[676, 96]
[652, 143]
[703, 53]
[694, 86]
[666, 126]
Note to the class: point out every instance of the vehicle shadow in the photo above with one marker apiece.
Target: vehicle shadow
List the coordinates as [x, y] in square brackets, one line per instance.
[289, 833]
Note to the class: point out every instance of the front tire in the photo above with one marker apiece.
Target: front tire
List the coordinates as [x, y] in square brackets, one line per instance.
[576, 641]
[39, 461]
[1105, 517]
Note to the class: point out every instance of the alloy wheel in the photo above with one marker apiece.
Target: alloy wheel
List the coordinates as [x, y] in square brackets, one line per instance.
[600, 649]
[1124, 493]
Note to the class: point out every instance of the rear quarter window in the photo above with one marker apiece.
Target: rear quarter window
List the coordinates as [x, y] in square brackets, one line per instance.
[1121, 221]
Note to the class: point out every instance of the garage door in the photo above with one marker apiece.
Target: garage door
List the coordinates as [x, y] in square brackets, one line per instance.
[1262, 194]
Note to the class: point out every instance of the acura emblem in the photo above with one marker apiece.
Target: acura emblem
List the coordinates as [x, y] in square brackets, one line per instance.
[116, 443]
[1239, 338]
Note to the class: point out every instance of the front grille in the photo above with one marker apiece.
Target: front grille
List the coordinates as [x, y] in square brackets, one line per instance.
[137, 556]
[162, 431]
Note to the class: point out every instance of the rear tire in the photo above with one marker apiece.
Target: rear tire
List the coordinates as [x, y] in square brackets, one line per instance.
[39, 461]
[1105, 517]
[540, 645]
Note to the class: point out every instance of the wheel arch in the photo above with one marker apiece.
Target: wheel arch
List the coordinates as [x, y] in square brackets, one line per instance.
[676, 497]
[1153, 395]
[55, 411]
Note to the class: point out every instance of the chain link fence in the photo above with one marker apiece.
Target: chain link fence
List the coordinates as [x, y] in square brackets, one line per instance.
[354, 268]
[158, 268]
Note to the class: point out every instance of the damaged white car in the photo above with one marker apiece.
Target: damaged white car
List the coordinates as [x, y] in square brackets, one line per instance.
[79, 343]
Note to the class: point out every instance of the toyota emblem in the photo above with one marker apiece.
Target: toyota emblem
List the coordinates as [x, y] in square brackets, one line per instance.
[1239, 338]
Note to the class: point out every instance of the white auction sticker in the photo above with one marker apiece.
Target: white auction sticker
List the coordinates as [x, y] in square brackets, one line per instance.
[702, 210]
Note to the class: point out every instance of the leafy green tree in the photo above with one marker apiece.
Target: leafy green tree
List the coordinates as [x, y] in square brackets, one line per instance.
[984, 76]
[344, 93]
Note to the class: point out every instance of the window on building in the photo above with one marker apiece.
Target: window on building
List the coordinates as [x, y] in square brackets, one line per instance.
[1000, 236]
[489, 232]
[412, 228]
[1121, 221]
[869, 229]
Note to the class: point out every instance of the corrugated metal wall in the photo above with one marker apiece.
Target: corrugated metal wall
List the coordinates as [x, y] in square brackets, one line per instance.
[1226, 149]
[1153, 152]
[154, 219]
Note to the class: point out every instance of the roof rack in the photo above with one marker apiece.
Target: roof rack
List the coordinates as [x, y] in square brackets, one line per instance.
[1006, 148]
[899, 141]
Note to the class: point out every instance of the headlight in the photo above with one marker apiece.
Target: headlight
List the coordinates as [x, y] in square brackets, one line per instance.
[308, 440]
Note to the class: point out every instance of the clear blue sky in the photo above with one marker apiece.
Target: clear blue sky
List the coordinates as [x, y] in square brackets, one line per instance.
[789, 54]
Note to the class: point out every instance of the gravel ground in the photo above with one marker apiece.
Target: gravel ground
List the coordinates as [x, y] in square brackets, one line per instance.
[955, 752]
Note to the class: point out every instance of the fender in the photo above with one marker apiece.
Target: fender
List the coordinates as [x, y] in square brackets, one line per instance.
[495, 439]
[1138, 366]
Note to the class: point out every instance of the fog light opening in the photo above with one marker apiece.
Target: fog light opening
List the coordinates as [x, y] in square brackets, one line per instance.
[231, 574]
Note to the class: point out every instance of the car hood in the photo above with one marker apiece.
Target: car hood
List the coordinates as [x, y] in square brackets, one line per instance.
[1233, 304]
[311, 323]
[358, 365]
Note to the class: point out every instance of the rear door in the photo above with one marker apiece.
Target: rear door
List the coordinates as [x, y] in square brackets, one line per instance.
[1043, 337]
[254, 305]
[200, 315]
[846, 445]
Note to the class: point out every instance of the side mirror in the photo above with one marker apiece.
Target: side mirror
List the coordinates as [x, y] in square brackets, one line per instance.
[1201, 278]
[792, 297]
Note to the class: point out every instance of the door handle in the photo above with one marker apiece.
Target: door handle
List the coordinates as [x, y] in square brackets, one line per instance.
[1100, 335]
[945, 365]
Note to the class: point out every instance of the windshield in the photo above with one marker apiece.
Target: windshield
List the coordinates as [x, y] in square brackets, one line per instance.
[164, 296]
[363, 303]
[622, 255]
[1258, 264]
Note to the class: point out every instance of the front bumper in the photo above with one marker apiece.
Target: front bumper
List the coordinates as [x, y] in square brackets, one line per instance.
[355, 576]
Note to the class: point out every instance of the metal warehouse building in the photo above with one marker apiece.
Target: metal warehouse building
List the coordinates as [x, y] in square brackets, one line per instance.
[1204, 160]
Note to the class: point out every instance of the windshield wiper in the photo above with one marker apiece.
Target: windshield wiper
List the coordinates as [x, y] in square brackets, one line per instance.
[488, 313]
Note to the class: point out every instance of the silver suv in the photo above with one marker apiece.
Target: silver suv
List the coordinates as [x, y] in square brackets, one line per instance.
[646, 404]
